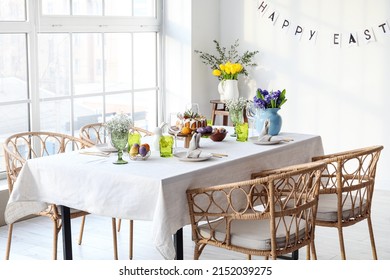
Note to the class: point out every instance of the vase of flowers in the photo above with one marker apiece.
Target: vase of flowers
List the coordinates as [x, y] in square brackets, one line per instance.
[228, 89]
[236, 111]
[227, 65]
[118, 127]
[266, 107]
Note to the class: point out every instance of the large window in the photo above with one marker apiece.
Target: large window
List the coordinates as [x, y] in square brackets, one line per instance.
[66, 63]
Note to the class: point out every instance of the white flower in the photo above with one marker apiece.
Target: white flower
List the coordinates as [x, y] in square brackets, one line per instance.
[234, 104]
[119, 123]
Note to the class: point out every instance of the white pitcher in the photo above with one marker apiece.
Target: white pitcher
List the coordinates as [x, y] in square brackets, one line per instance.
[228, 89]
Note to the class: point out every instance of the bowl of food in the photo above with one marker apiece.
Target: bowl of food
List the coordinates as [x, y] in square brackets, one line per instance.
[139, 156]
[218, 134]
[139, 152]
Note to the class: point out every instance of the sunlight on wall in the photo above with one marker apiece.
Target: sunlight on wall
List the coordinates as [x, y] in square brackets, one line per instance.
[177, 55]
[338, 92]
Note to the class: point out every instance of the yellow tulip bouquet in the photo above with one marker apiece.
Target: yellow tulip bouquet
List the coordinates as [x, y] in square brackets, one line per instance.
[227, 64]
[228, 71]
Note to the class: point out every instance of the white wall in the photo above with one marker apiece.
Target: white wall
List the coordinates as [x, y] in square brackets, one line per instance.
[188, 25]
[176, 55]
[340, 93]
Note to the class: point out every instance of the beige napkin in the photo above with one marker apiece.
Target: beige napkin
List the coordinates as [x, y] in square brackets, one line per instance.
[94, 152]
[264, 131]
[270, 138]
[193, 151]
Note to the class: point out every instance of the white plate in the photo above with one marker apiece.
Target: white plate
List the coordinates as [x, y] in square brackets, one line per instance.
[183, 156]
[105, 147]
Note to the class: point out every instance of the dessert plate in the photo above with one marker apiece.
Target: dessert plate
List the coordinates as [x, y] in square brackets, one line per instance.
[182, 156]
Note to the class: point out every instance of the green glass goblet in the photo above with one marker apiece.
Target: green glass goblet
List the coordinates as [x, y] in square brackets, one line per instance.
[119, 141]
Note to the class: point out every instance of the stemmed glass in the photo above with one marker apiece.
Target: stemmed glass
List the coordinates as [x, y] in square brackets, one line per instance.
[175, 126]
[119, 141]
[250, 114]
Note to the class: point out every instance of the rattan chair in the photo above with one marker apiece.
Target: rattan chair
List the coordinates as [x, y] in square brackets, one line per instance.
[21, 147]
[346, 191]
[269, 216]
[96, 133]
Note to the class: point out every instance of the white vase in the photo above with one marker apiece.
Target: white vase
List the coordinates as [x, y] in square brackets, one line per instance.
[228, 89]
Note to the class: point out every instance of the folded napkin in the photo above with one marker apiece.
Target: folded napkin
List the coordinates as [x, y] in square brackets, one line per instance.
[193, 149]
[264, 131]
[269, 138]
[94, 152]
[193, 153]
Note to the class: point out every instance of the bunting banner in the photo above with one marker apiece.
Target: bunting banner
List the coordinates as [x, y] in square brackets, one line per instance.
[336, 38]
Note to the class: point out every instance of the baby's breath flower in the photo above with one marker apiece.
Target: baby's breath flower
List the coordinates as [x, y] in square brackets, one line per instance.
[119, 123]
[236, 104]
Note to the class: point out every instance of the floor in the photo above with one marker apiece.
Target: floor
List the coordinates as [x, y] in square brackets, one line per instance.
[32, 239]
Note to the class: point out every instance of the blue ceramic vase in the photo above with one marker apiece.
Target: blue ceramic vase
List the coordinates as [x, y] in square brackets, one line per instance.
[274, 118]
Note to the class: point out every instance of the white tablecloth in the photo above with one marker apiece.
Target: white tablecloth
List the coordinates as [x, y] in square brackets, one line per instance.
[154, 189]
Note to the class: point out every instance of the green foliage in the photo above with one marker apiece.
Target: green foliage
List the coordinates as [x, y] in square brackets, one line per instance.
[224, 55]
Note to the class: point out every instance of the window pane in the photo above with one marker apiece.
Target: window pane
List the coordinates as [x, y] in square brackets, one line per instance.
[15, 122]
[118, 72]
[13, 67]
[87, 110]
[118, 103]
[118, 8]
[87, 63]
[55, 116]
[87, 7]
[145, 112]
[145, 60]
[144, 8]
[15, 119]
[12, 10]
[56, 7]
[54, 65]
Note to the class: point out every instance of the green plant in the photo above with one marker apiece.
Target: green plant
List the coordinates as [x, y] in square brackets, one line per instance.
[223, 56]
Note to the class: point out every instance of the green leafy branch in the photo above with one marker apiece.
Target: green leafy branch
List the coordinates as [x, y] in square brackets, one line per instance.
[224, 55]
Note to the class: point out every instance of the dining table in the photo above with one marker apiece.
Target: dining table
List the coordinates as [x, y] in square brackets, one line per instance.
[151, 190]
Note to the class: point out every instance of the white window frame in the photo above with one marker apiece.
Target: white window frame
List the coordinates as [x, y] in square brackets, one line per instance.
[37, 23]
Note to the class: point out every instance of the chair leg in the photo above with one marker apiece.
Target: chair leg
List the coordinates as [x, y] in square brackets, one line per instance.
[131, 240]
[371, 231]
[313, 250]
[8, 249]
[81, 230]
[341, 240]
[115, 242]
[119, 224]
[249, 257]
[57, 229]
[308, 252]
[198, 250]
